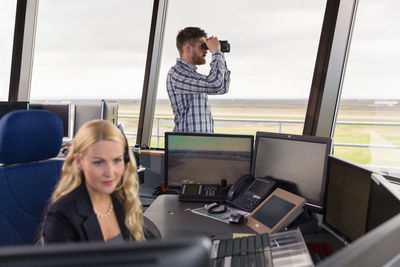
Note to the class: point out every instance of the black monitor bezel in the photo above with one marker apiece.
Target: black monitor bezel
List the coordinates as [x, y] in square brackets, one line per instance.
[167, 134]
[359, 168]
[315, 207]
[14, 105]
[150, 253]
[49, 107]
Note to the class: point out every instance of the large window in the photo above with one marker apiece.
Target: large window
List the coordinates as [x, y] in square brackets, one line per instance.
[7, 21]
[368, 122]
[91, 50]
[273, 51]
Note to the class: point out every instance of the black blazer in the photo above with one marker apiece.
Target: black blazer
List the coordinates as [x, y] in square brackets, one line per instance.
[71, 218]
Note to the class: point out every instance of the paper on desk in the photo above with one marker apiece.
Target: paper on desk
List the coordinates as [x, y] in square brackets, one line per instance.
[223, 217]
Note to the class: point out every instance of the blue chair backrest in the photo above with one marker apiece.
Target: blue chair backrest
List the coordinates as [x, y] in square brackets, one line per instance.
[28, 141]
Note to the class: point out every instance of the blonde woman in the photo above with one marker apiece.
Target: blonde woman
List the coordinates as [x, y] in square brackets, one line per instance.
[97, 195]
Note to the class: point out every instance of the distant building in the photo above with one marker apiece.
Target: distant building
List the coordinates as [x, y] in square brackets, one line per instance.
[387, 103]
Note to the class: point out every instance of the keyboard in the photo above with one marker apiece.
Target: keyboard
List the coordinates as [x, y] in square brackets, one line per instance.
[146, 201]
[279, 249]
[245, 251]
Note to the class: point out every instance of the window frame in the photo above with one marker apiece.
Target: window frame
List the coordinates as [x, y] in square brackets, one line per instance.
[324, 92]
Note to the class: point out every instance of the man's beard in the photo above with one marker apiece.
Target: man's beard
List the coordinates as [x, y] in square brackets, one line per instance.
[199, 60]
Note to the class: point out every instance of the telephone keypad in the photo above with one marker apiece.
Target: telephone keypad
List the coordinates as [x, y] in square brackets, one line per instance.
[248, 192]
[247, 201]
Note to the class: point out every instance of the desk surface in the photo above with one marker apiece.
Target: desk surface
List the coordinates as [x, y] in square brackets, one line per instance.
[174, 218]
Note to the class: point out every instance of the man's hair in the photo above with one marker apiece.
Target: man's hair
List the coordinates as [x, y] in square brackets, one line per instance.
[189, 34]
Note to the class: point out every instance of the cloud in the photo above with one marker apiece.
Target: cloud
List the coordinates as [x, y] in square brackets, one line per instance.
[273, 46]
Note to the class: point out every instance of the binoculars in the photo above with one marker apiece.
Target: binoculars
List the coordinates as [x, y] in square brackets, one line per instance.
[225, 46]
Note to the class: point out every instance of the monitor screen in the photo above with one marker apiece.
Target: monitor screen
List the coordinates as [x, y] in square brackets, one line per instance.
[347, 197]
[109, 111]
[6, 107]
[179, 252]
[295, 159]
[206, 158]
[85, 113]
[61, 110]
[383, 204]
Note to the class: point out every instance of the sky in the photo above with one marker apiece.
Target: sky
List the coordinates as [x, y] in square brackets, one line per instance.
[97, 48]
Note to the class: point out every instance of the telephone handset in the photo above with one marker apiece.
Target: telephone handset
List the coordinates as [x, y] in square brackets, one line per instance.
[248, 192]
[237, 187]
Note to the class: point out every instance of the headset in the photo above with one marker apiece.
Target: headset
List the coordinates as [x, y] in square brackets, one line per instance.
[216, 208]
[127, 159]
[126, 151]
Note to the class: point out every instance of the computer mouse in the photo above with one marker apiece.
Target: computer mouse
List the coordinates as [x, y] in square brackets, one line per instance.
[236, 218]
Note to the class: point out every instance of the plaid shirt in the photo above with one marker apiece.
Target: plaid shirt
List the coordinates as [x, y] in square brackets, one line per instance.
[188, 92]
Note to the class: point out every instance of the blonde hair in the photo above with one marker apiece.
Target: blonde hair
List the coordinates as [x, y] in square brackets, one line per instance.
[127, 190]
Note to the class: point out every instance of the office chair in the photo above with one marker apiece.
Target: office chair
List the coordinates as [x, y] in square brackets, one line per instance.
[28, 141]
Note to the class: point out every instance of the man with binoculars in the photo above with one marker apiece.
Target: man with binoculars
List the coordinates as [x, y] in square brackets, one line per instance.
[187, 89]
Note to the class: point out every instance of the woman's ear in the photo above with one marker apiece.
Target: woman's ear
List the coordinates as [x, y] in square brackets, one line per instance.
[77, 160]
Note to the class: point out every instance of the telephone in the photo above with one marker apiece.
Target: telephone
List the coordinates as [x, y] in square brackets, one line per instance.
[248, 192]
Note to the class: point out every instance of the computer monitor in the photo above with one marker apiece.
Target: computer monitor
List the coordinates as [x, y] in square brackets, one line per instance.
[206, 158]
[6, 107]
[85, 113]
[347, 197]
[109, 111]
[61, 110]
[355, 203]
[296, 160]
[384, 201]
[173, 253]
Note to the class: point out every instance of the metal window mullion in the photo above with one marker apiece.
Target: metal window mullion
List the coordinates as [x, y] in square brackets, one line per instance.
[149, 96]
[336, 68]
[20, 80]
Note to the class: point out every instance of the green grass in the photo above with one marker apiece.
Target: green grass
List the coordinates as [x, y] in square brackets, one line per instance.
[292, 110]
[352, 134]
[353, 154]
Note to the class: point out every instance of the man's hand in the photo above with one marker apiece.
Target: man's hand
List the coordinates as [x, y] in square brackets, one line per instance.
[213, 44]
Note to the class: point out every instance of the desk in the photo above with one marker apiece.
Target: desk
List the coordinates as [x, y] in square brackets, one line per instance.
[174, 218]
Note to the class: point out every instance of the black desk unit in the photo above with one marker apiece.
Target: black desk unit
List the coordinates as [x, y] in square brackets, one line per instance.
[174, 219]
